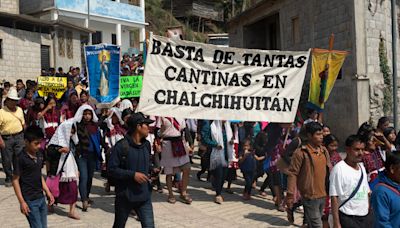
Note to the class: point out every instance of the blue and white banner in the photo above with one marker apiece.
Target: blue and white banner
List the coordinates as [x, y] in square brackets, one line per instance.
[102, 62]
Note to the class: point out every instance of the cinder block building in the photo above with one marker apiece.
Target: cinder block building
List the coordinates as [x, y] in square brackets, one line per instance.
[29, 44]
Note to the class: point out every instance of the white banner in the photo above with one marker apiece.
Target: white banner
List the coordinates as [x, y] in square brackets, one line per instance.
[201, 81]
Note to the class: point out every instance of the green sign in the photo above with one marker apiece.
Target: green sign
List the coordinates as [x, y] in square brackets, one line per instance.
[130, 86]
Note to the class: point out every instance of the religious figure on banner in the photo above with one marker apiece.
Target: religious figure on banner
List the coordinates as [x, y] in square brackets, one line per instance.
[324, 79]
[104, 58]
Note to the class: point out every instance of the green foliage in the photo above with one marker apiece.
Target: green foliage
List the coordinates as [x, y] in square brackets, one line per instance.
[387, 78]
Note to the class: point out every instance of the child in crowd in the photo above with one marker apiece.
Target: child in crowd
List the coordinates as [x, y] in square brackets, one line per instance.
[88, 152]
[331, 143]
[247, 164]
[28, 181]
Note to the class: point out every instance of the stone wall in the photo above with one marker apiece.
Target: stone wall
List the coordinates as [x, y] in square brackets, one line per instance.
[9, 6]
[378, 27]
[21, 54]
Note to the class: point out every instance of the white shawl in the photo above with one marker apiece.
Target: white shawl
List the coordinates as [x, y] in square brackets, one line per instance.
[79, 114]
[113, 139]
[62, 137]
[125, 104]
[217, 157]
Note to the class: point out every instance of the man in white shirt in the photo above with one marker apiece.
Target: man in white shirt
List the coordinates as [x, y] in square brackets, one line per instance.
[349, 189]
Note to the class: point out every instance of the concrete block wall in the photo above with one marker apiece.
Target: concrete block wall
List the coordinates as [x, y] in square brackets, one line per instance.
[21, 54]
[9, 6]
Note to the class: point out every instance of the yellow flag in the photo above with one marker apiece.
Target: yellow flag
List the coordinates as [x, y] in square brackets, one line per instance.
[325, 69]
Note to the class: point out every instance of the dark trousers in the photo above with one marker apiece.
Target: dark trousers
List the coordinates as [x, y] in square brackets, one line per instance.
[205, 163]
[219, 176]
[13, 147]
[350, 221]
[313, 211]
[86, 166]
[37, 218]
[123, 208]
[248, 177]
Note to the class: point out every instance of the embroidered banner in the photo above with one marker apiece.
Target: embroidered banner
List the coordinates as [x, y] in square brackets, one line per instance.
[103, 69]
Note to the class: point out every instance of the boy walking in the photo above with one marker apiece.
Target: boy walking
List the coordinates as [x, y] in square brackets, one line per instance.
[28, 181]
[349, 188]
[309, 170]
[130, 167]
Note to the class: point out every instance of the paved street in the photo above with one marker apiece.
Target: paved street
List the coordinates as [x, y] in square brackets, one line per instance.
[234, 212]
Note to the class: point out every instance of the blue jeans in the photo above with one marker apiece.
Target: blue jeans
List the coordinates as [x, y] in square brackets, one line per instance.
[248, 177]
[86, 166]
[219, 176]
[37, 218]
[123, 208]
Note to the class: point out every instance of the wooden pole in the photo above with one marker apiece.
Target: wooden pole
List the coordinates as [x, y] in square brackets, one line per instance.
[331, 40]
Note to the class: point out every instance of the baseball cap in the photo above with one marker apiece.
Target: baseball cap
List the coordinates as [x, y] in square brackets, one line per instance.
[138, 118]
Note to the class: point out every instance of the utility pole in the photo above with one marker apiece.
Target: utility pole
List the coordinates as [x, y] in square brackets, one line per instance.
[394, 63]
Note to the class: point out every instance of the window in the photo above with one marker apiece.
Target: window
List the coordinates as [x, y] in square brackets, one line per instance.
[45, 57]
[114, 38]
[1, 48]
[96, 37]
[134, 38]
[296, 30]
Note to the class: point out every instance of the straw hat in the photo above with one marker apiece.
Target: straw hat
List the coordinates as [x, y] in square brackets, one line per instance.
[13, 94]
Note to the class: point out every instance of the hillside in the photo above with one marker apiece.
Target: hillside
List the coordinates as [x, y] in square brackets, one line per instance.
[159, 20]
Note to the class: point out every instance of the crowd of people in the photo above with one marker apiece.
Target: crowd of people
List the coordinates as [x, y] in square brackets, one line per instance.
[300, 163]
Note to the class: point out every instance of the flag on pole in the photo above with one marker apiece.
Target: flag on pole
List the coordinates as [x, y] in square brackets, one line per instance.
[326, 65]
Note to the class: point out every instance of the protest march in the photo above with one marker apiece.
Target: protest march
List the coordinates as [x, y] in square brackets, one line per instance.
[135, 119]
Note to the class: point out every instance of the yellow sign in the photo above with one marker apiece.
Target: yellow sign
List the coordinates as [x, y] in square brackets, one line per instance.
[55, 85]
[325, 69]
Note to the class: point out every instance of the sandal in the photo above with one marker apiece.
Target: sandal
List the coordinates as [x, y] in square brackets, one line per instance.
[186, 199]
[171, 200]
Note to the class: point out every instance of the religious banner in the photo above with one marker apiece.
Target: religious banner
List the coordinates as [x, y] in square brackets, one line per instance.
[54, 85]
[326, 65]
[202, 81]
[102, 62]
[130, 86]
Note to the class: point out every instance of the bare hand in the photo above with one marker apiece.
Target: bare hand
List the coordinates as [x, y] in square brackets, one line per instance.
[141, 178]
[51, 199]
[25, 209]
[64, 150]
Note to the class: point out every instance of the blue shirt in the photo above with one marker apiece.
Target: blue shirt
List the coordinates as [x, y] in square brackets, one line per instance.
[386, 203]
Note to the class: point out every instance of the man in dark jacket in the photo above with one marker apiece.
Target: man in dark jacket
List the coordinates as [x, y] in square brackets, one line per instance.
[129, 166]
